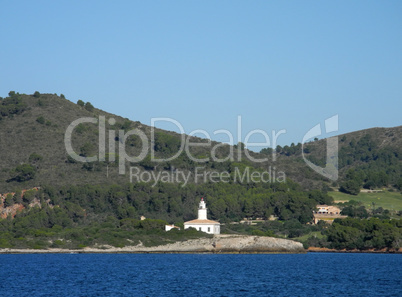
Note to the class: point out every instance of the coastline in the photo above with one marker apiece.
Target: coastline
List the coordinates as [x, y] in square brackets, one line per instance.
[219, 244]
[354, 251]
[224, 244]
[100, 251]
[8, 251]
[134, 250]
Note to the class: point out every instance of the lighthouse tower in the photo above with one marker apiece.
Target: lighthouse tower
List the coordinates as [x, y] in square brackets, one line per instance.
[202, 210]
[202, 223]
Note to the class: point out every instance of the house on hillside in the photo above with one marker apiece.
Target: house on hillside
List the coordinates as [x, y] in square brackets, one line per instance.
[328, 209]
[327, 213]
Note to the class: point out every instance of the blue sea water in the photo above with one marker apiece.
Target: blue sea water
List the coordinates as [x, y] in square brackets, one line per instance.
[312, 274]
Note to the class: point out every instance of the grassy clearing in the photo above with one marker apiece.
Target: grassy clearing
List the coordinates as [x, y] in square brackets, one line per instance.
[303, 238]
[386, 200]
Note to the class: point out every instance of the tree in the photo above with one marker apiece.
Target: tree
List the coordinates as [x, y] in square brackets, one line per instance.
[8, 201]
[81, 103]
[18, 196]
[266, 151]
[320, 197]
[89, 106]
[29, 196]
[399, 184]
[36, 94]
[24, 172]
[345, 237]
[356, 212]
[350, 187]
[218, 208]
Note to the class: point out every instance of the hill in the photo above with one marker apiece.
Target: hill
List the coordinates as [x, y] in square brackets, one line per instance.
[33, 150]
[95, 192]
[371, 157]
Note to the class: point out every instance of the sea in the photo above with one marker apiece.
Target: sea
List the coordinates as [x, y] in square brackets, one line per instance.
[310, 274]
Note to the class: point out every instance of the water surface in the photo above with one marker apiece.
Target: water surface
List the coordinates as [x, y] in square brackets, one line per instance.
[312, 274]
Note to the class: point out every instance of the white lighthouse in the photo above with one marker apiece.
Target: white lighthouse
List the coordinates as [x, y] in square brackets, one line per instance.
[202, 223]
[202, 210]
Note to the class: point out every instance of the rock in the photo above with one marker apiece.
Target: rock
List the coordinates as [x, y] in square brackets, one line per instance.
[232, 244]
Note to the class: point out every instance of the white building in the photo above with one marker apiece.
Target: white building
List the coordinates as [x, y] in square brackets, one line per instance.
[202, 223]
[170, 227]
[329, 210]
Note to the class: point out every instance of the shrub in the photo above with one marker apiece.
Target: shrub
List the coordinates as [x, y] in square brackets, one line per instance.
[24, 172]
[89, 106]
[34, 157]
[9, 200]
[41, 120]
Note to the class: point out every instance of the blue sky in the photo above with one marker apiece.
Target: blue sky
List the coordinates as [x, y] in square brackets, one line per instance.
[279, 65]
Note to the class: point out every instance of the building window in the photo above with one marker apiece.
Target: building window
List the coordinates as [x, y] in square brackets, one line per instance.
[209, 229]
[199, 229]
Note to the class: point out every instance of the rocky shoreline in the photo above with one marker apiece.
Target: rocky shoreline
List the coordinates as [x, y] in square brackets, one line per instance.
[218, 244]
[225, 244]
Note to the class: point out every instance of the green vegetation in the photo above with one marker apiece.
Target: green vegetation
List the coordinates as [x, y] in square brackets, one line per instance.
[365, 234]
[367, 159]
[23, 172]
[373, 155]
[9, 200]
[12, 105]
[92, 204]
[285, 229]
[75, 217]
[45, 227]
[88, 106]
[93, 215]
[350, 187]
[34, 158]
[384, 199]
[41, 120]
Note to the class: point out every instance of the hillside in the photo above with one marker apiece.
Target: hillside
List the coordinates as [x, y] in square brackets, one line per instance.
[79, 204]
[33, 127]
[32, 132]
[38, 131]
[373, 157]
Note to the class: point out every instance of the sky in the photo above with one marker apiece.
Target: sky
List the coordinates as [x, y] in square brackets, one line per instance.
[277, 65]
